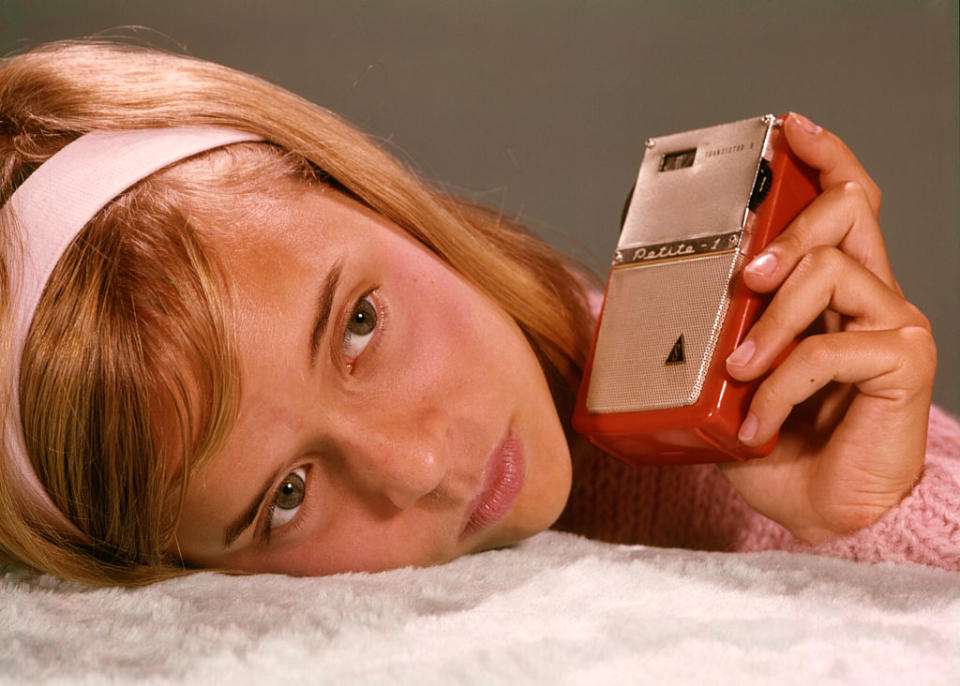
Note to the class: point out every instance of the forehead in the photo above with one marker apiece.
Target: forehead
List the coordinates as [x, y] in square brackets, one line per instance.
[292, 216]
[276, 256]
[301, 225]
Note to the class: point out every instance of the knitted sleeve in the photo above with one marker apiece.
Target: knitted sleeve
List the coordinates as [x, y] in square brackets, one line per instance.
[696, 507]
[925, 527]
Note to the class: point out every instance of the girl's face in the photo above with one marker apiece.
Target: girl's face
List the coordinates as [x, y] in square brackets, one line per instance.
[391, 414]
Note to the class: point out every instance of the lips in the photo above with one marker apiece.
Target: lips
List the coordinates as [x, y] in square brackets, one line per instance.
[503, 479]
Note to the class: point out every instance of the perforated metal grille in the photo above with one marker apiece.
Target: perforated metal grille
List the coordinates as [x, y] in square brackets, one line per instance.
[647, 309]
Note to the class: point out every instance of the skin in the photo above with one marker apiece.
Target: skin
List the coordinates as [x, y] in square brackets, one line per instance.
[394, 431]
[395, 447]
[859, 392]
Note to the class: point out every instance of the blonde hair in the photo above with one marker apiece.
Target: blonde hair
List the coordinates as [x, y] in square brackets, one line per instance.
[130, 377]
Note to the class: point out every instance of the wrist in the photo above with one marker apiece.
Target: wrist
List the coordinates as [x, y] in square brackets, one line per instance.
[834, 521]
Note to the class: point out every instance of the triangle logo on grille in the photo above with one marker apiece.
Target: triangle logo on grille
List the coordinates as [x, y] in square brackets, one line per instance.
[676, 355]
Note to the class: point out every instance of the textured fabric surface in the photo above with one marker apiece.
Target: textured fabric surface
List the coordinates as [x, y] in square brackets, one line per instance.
[557, 609]
[925, 528]
[696, 507]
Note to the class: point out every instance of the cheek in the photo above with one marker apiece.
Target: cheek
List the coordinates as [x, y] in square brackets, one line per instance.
[356, 542]
[368, 546]
[445, 326]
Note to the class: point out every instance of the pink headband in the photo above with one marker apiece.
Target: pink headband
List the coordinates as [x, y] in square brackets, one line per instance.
[50, 208]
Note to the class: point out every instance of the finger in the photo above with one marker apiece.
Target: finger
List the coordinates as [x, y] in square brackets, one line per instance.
[894, 365]
[824, 151]
[826, 279]
[842, 217]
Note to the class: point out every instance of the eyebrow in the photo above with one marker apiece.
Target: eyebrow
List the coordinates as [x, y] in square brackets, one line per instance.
[243, 522]
[324, 308]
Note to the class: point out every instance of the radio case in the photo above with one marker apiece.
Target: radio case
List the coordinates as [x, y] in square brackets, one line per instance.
[655, 389]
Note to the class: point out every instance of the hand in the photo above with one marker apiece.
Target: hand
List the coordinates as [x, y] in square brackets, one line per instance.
[857, 391]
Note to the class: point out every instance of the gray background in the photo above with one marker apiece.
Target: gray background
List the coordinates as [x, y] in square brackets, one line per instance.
[540, 107]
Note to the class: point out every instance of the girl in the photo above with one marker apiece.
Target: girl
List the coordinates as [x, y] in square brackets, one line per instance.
[239, 336]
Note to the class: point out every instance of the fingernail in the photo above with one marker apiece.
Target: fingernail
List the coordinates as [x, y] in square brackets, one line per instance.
[742, 354]
[748, 429]
[806, 124]
[763, 264]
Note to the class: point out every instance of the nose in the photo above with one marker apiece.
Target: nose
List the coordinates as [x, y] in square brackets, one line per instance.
[401, 461]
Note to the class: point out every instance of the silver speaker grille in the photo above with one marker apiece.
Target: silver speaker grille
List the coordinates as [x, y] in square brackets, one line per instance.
[648, 309]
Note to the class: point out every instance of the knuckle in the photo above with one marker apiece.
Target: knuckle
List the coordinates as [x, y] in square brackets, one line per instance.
[918, 342]
[857, 197]
[852, 191]
[790, 242]
[806, 264]
[917, 317]
[822, 258]
[813, 351]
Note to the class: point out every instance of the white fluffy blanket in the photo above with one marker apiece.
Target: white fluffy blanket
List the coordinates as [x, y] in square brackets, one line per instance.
[557, 609]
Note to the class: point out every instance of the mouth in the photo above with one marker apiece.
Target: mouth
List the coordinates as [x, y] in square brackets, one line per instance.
[502, 481]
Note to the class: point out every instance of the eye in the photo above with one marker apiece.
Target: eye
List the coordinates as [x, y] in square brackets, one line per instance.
[287, 499]
[360, 328]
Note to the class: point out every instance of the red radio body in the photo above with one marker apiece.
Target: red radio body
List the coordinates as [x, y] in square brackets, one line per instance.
[655, 388]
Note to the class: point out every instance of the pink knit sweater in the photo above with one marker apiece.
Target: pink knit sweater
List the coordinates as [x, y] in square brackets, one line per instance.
[696, 507]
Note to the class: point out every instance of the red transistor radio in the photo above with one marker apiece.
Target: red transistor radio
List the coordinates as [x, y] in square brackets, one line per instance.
[655, 388]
